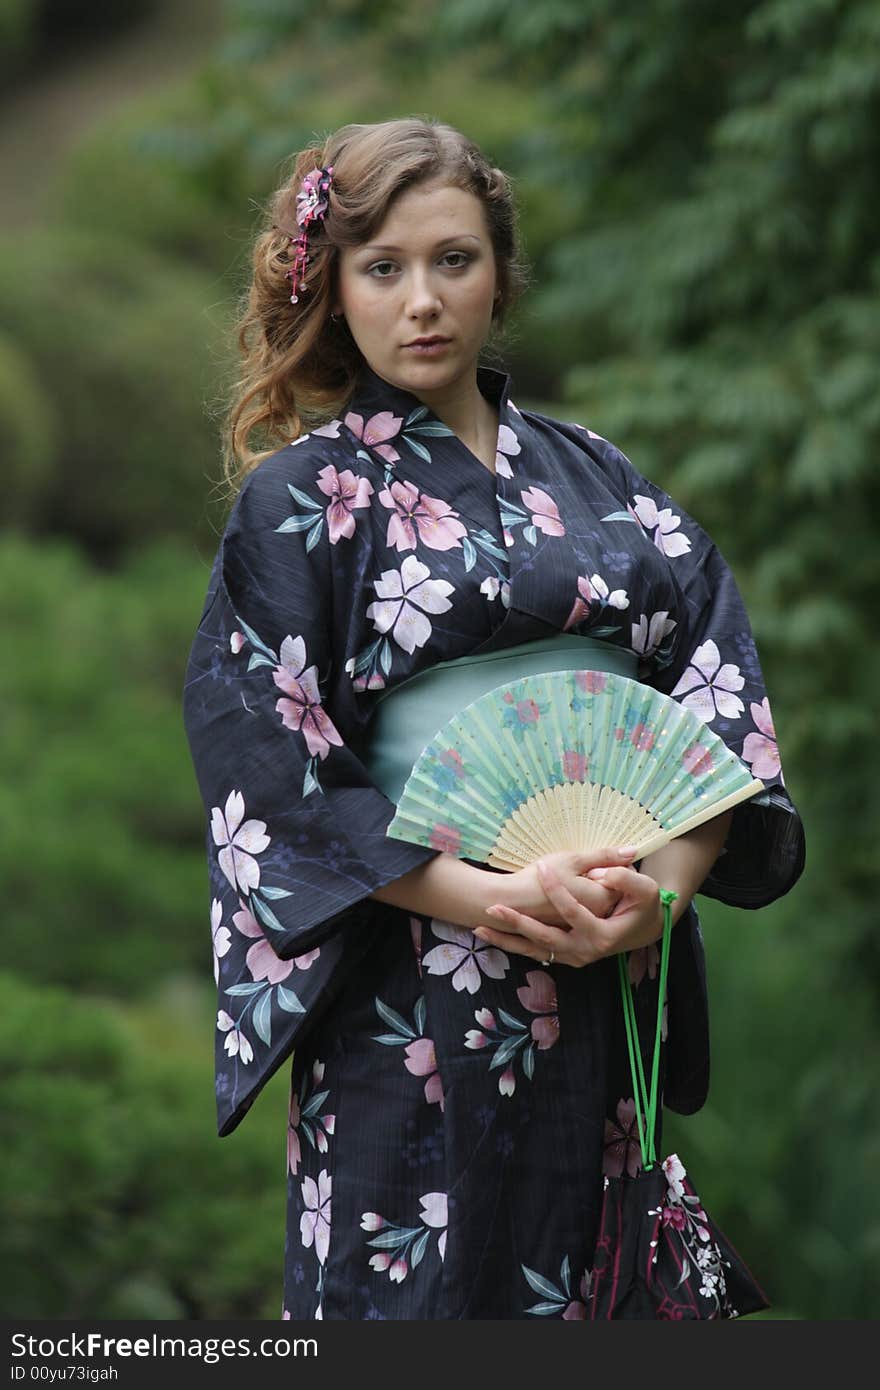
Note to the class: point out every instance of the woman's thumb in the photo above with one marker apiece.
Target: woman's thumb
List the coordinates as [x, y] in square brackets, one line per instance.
[597, 859]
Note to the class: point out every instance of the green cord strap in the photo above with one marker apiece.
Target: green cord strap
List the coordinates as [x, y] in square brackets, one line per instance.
[646, 1104]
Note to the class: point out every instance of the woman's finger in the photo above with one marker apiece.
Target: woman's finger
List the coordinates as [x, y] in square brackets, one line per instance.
[565, 902]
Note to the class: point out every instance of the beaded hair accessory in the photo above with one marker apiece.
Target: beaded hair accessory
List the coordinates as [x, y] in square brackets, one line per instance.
[312, 202]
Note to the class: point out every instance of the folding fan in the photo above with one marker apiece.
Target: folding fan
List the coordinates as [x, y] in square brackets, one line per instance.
[579, 760]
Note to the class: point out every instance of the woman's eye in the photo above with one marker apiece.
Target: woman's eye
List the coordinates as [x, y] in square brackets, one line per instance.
[463, 255]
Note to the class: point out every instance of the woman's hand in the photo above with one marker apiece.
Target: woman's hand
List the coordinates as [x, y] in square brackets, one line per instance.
[636, 920]
[524, 891]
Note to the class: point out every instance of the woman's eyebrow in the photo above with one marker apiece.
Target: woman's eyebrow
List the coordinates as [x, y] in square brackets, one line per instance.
[459, 236]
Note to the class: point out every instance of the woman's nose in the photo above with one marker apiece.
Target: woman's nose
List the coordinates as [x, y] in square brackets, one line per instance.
[421, 294]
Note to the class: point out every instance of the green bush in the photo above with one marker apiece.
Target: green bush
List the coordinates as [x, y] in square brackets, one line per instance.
[101, 827]
[119, 1200]
[121, 344]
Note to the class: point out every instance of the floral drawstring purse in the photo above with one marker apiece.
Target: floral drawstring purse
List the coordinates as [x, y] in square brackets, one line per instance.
[658, 1255]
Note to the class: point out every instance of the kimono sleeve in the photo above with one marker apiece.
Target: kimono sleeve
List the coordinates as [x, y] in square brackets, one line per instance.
[708, 661]
[294, 829]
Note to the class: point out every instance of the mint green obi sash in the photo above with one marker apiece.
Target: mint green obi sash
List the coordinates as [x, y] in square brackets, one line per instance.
[406, 718]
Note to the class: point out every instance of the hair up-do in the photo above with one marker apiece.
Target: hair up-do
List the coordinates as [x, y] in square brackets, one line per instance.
[299, 366]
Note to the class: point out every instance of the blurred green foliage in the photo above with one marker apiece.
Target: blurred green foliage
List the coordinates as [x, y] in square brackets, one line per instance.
[695, 185]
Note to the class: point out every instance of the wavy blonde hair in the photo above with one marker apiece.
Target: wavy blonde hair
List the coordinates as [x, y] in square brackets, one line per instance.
[298, 366]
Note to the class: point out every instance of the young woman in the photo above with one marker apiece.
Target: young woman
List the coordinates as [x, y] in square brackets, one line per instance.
[460, 1078]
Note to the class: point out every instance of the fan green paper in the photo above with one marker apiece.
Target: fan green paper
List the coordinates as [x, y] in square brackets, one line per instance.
[578, 760]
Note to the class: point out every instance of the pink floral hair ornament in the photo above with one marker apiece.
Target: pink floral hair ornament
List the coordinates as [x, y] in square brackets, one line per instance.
[312, 201]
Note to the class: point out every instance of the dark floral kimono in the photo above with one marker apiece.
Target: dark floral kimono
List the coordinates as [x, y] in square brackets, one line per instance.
[454, 1106]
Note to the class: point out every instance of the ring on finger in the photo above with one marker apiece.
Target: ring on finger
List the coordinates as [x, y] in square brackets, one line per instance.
[551, 959]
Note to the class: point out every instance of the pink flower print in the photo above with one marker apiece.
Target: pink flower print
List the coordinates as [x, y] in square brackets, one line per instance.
[492, 587]
[761, 749]
[236, 642]
[236, 1044]
[220, 936]
[647, 635]
[416, 516]
[675, 1174]
[303, 710]
[445, 837]
[574, 765]
[642, 737]
[622, 1148]
[262, 961]
[314, 1223]
[405, 596]
[347, 491]
[415, 928]
[591, 682]
[527, 712]
[697, 759]
[376, 432]
[240, 841]
[294, 1152]
[590, 590]
[545, 513]
[674, 1217]
[539, 997]
[508, 447]
[330, 430]
[507, 1082]
[663, 524]
[398, 1271]
[464, 955]
[422, 1061]
[435, 1214]
[508, 538]
[643, 961]
[485, 1018]
[710, 685]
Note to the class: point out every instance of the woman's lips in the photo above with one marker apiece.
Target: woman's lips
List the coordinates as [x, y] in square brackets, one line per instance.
[429, 349]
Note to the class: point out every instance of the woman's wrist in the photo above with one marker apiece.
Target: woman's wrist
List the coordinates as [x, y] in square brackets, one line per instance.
[446, 888]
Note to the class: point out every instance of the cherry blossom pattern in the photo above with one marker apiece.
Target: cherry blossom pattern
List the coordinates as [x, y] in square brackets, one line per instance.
[302, 710]
[463, 956]
[661, 526]
[404, 597]
[221, 938]
[330, 431]
[348, 492]
[545, 513]
[418, 517]
[512, 1037]
[239, 841]
[378, 430]
[622, 1152]
[557, 1300]
[237, 1043]
[261, 960]
[708, 686]
[761, 750]
[314, 1225]
[681, 1219]
[521, 716]
[492, 587]
[304, 1119]
[507, 447]
[595, 591]
[420, 1056]
[401, 1248]
[649, 634]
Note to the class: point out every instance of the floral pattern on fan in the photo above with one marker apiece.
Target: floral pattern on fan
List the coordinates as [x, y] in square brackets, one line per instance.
[567, 760]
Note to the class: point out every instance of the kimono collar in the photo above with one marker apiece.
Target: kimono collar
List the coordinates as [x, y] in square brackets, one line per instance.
[394, 421]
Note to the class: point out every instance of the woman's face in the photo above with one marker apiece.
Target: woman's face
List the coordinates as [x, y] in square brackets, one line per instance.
[429, 269]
